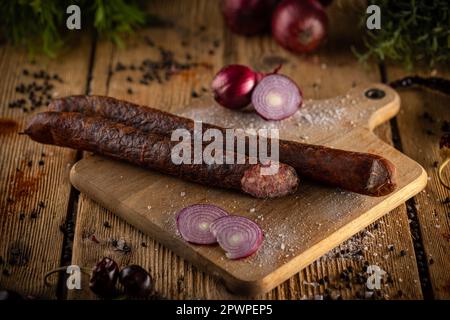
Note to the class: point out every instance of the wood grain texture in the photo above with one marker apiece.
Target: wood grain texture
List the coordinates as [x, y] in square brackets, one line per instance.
[328, 73]
[420, 140]
[30, 239]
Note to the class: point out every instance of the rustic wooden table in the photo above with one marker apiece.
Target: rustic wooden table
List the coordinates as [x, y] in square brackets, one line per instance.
[45, 223]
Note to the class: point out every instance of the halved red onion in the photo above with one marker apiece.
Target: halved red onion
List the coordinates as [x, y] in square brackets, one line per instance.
[193, 222]
[232, 86]
[276, 97]
[238, 236]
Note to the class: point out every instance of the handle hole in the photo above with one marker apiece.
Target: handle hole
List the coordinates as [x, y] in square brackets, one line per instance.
[375, 94]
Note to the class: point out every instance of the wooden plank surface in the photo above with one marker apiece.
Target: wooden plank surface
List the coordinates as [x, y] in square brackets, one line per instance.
[34, 184]
[329, 73]
[420, 127]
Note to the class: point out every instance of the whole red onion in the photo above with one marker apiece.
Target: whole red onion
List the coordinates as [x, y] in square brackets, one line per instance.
[233, 85]
[299, 25]
[248, 17]
[325, 3]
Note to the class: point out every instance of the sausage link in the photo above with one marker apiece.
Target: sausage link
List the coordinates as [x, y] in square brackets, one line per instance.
[121, 142]
[359, 172]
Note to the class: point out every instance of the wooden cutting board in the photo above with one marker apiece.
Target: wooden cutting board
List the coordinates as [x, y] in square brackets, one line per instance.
[299, 228]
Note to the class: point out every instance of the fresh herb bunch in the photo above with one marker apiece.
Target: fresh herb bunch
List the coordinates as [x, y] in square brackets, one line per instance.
[412, 32]
[40, 25]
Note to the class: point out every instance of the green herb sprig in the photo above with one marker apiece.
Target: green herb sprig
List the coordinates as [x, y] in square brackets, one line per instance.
[39, 25]
[412, 32]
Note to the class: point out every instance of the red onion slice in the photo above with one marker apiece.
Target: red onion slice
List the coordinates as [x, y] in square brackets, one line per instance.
[238, 236]
[193, 222]
[276, 97]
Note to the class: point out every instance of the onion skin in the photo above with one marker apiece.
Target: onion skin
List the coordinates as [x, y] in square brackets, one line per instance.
[248, 17]
[233, 85]
[299, 26]
[325, 3]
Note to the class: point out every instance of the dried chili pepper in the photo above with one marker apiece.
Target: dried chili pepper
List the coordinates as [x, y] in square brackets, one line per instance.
[434, 83]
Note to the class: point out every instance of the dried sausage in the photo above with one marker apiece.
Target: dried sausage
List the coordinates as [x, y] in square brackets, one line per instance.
[359, 172]
[149, 150]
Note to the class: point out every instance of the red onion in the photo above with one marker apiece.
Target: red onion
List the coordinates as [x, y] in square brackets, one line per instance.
[238, 236]
[325, 3]
[248, 17]
[193, 222]
[299, 25]
[232, 86]
[276, 97]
